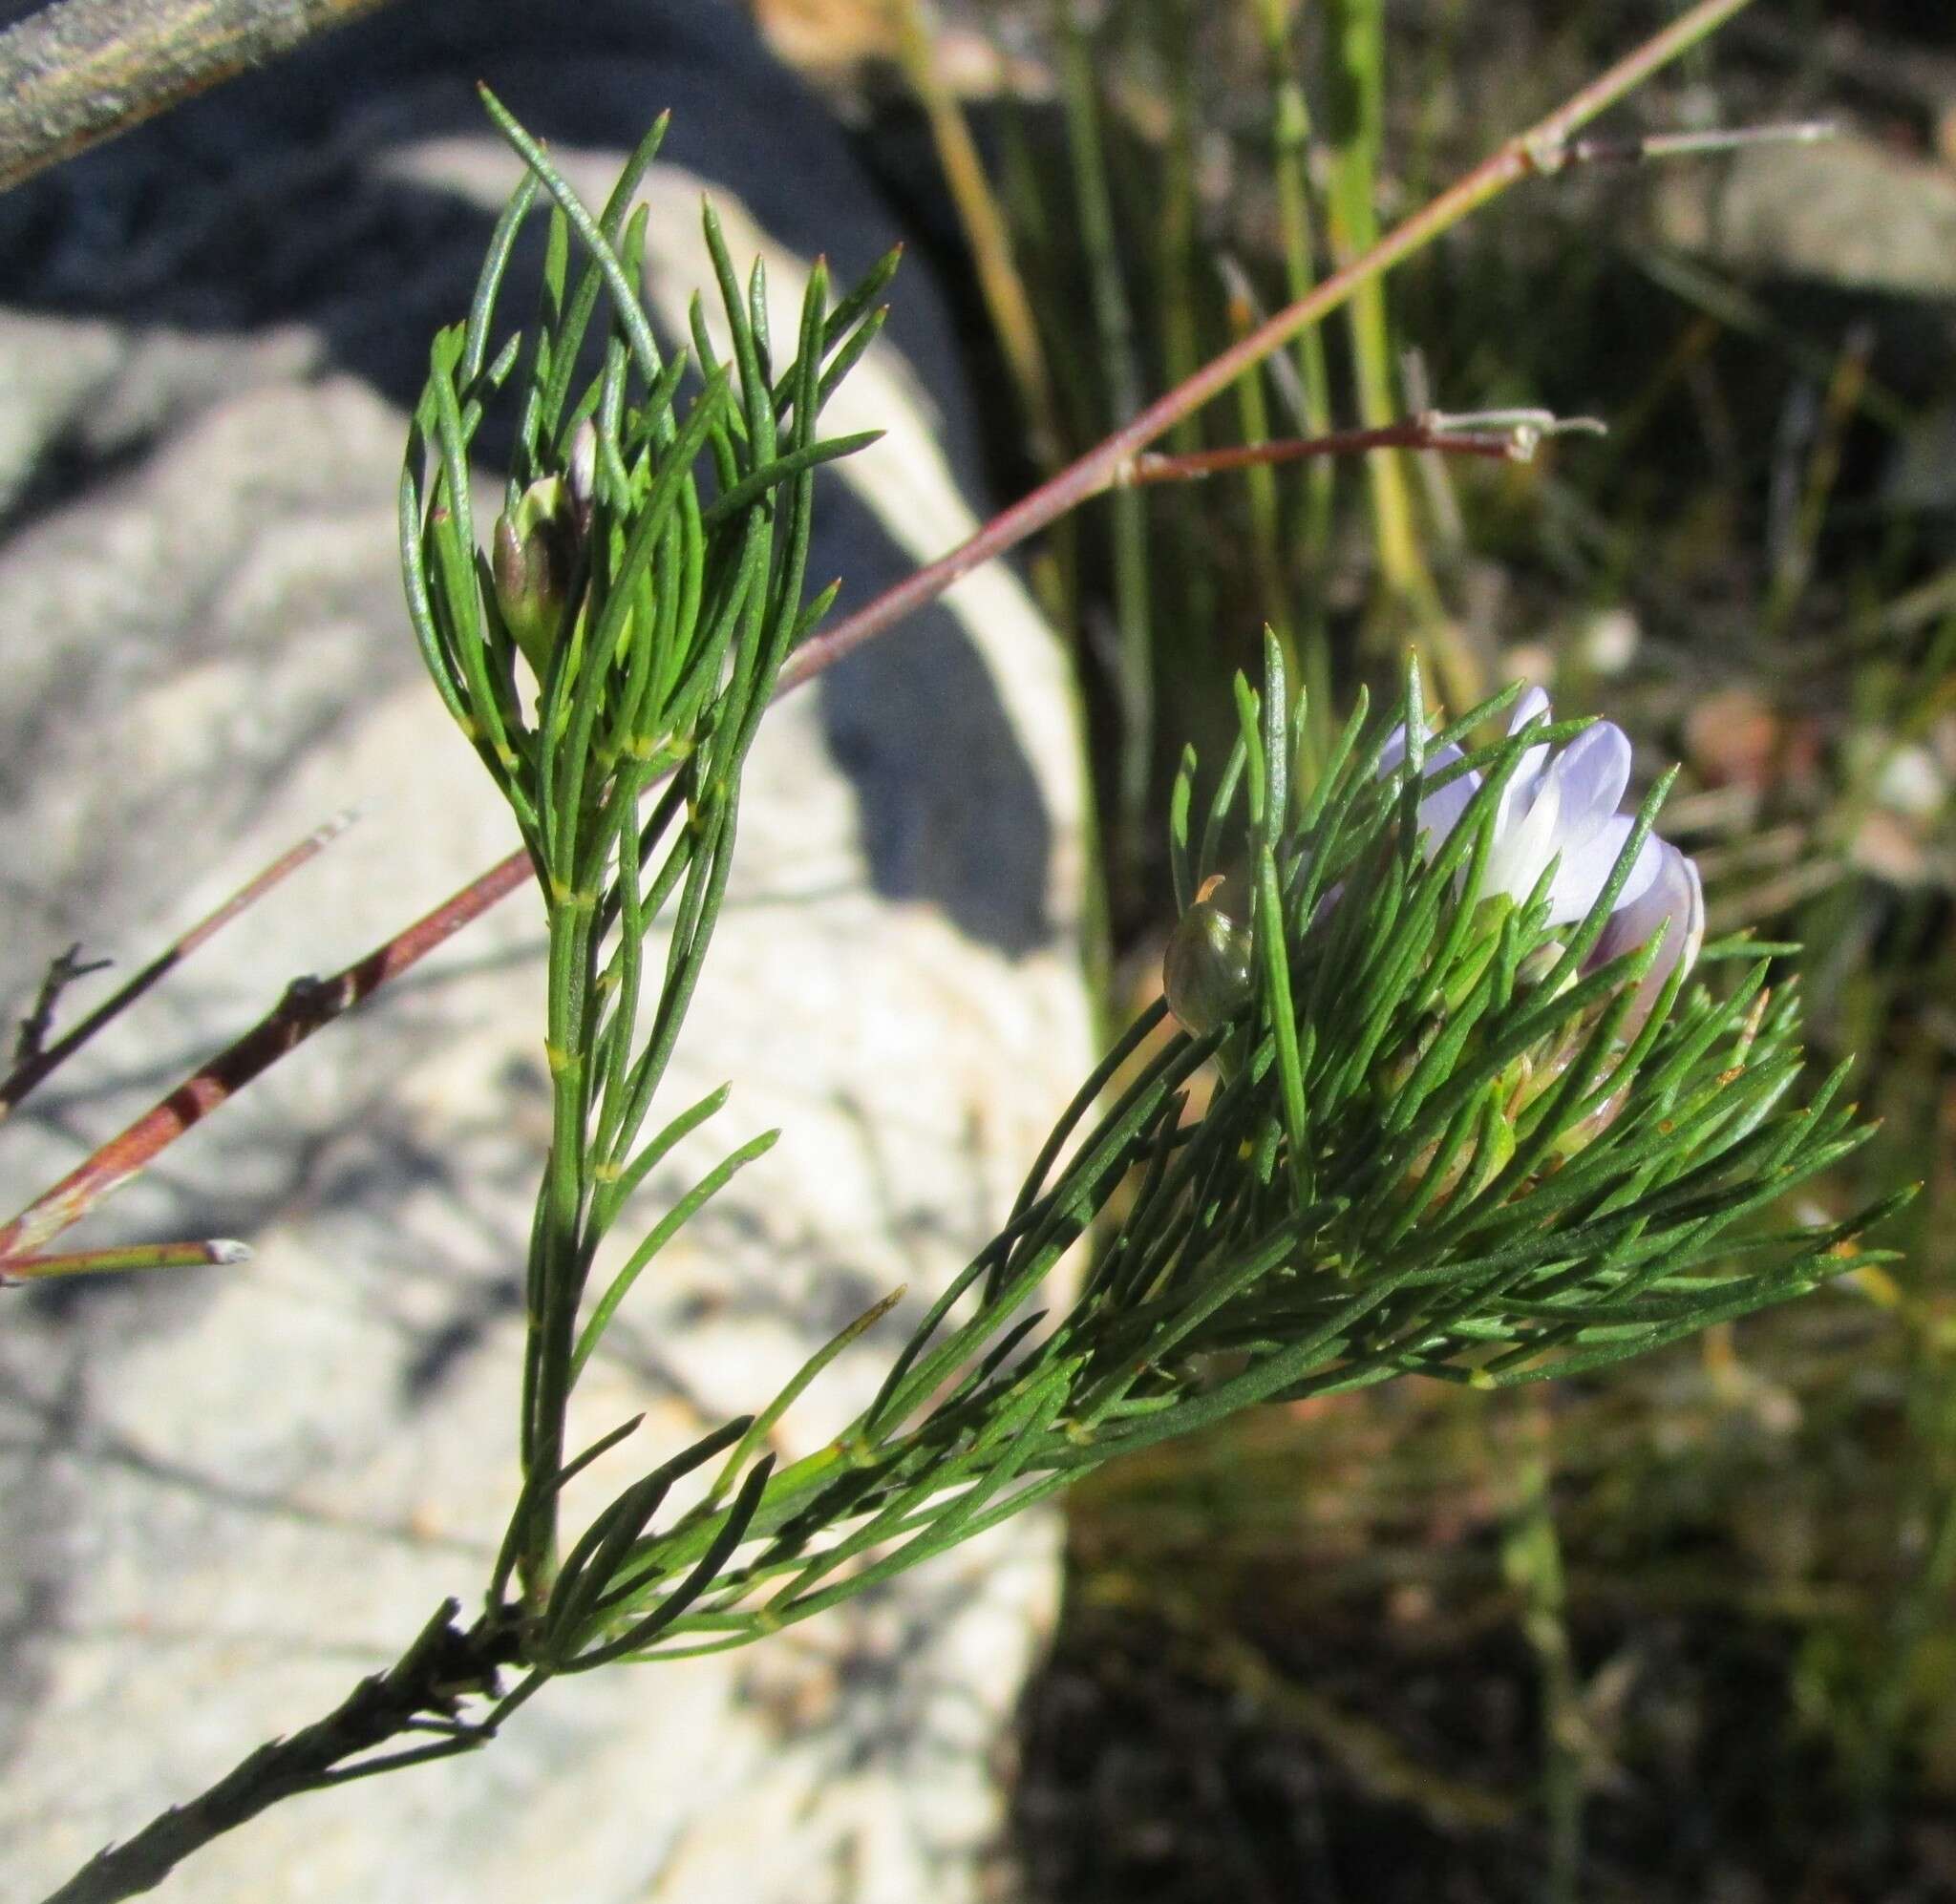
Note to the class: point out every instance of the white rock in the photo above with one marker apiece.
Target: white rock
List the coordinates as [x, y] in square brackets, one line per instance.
[232, 1492]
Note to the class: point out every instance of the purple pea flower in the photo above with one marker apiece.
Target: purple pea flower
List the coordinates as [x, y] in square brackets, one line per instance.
[1561, 805]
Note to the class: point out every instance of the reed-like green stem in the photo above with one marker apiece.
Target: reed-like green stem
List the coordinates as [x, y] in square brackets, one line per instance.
[1290, 140]
[987, 231]
[1114, 328]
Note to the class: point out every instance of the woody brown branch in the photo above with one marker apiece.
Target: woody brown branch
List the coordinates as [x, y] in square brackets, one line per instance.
[37, 1061]
[443, 1663]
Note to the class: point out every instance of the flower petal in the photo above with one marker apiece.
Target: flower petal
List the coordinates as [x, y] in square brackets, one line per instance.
[1392, 752]
[1674, 899]
[1593, 770]
[1525, 782]
[1440, 811]
[1586, 868]
[1585, 871]
[1525, 846]
[1531, 706]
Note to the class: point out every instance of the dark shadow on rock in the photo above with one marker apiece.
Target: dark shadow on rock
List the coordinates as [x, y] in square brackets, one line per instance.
[968, 833]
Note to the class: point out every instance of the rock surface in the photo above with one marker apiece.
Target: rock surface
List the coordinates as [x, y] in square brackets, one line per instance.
[1842, 212]
[230, 1493]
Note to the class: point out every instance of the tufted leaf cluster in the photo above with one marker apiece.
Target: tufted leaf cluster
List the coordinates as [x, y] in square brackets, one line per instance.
[608, 649]
[1439, 1138]
[1455, 1143]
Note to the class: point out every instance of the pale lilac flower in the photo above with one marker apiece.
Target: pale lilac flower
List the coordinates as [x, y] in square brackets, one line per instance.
[1674, 900]
[1561, 805]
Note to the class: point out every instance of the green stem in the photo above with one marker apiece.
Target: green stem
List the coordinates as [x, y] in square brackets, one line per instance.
[1355, 91]
[1113, 324]
[1532, 1558]
[556, 1278]
[1006, 301]
[1260, 480]
[1291, 151]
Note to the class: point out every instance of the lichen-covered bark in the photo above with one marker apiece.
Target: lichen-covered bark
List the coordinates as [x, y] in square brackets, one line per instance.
[78, 71]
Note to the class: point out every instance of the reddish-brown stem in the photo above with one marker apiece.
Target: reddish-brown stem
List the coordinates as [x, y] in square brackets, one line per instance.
[1150, 468]
[36, 1069]
[309, 1004]
[1544, 149]
[1541, 149]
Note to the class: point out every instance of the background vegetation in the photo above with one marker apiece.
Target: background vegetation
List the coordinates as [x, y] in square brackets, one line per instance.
[1690, 1630]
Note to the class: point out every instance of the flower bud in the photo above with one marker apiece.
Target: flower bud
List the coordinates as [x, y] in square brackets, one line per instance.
[531, 557]
[1206, 971]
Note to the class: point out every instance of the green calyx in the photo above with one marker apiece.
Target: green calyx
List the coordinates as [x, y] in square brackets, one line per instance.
[532, 559]
[1207, 972]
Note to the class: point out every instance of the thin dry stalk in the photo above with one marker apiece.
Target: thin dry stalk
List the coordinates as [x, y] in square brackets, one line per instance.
[38, 1062]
